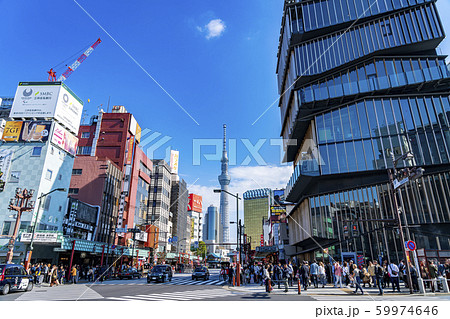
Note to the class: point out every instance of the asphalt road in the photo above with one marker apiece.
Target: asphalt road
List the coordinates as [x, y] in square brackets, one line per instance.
[183, 288]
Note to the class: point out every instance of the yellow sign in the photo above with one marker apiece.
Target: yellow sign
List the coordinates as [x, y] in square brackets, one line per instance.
[12, 131]
[138, 133]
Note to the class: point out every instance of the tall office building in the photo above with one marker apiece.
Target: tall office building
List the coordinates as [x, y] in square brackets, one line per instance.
[256, 210]
[224, 180]
[159, 212]
[358, 80]
[179, 211]
[211, 230]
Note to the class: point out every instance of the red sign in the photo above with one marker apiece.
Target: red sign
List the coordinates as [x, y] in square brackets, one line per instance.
[262, 240]
[195, 203]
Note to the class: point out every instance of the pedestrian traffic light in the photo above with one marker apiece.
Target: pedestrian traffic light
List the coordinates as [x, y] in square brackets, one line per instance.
[345, 230]
[355, 230]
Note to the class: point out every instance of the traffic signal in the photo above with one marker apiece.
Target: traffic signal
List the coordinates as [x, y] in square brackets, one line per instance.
[403, 173]
[355, 230]
[345, 230]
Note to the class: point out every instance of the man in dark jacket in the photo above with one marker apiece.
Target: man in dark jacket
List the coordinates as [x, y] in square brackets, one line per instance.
[304, 274]
[379, 274]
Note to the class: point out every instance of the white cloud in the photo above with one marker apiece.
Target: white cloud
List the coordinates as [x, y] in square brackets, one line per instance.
[213, 28]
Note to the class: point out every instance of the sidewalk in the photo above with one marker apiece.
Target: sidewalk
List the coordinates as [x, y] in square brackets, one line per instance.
[328, 290]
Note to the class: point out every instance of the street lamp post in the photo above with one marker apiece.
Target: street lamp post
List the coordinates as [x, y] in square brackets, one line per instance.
[238, 263]
[19, 204]
[30, 246]
[392, 173]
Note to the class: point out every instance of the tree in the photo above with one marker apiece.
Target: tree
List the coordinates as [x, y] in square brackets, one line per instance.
[201, 250]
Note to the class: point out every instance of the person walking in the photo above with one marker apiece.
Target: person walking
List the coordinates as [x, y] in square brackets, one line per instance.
[356, 278]
[285, 276]
[433, 269]
[394, 274]
[365, 277]
[345, 274]
[291, 274]
[266, 278]
[61, 275]
[371, 271]
[338, 271]
[54, 276]
[322, 275]
[379, 274]
[414, 278]
[304, 274]
[74, 274]
[314, 273]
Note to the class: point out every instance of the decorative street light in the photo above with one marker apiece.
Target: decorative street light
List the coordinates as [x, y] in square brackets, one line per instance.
[396, 180]
[20, 203]
[30, 247]
[238, 263]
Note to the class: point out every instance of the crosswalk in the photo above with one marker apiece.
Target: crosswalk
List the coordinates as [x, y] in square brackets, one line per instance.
[180, 281]
[178, 296]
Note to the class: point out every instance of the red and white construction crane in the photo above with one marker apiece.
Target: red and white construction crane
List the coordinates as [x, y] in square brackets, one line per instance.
[74, 66]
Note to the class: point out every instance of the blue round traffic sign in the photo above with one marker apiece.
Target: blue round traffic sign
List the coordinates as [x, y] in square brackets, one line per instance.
[411, 245]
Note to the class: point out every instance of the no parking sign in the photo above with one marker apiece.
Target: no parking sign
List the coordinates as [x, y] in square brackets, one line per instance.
[411, 245]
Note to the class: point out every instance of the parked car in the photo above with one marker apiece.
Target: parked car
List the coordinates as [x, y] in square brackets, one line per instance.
[160, 273]
[200, 273]
[14, 277]
[129, 273]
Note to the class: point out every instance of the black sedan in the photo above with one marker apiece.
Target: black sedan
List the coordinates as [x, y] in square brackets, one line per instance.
[200, 273]
[129, 273]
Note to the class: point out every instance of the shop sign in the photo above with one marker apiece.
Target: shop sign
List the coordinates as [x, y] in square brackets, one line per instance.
[40, 237]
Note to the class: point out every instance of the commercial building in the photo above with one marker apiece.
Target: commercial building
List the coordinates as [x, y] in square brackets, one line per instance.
[37, 153]
[159, 199]
[109, 145]
[195, 212]
[98, 182]
[257, 204]
[355, 84]
[181, 226]
[211, 229]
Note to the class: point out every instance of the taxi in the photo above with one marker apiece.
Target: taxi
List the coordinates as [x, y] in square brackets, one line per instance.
[14, 277]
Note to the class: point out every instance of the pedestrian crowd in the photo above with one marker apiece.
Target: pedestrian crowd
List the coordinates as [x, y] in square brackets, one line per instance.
[314, 274]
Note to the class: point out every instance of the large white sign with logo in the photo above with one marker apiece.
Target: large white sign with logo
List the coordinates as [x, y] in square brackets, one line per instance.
[48, 100]
[40, 237]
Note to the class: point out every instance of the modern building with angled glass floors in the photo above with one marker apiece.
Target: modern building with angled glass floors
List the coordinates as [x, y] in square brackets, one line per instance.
[359, 79]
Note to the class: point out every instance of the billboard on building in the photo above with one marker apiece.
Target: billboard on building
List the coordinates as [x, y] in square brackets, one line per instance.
[130, 151]
[5, 165]
[48, 100]
[64, 139]
[195, 203]
[174, 157]
[26, 131]
[277, 214]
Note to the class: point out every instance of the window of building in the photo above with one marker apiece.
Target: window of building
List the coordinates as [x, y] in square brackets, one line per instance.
[48, 199]
[85, 135]
[6, 228]
[73, 191]
[37, 150]
[48, 174]
[77, 171]
[84, 150]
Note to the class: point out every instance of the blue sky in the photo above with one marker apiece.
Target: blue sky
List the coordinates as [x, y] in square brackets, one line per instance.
[224, 73]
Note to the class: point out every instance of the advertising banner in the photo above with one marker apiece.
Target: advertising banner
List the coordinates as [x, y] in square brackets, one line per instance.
[64, 139]
[26, 131]
[68, 109]
[130, 151]
[277, 214]
[12, 131]
[195, 203]
[48, 99]
[5, 165]
[174, 156]
[40, 237]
